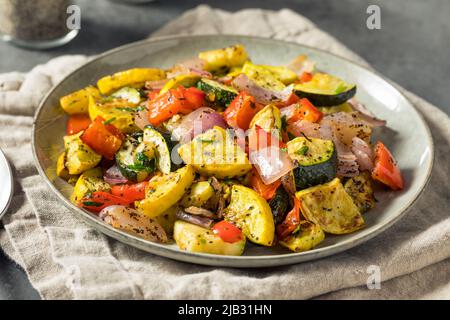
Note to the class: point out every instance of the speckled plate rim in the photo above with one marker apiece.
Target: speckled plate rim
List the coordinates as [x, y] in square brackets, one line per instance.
[232, 261]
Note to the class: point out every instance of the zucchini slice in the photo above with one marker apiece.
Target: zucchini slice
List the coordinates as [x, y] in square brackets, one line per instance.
[325, 90]
[185, 80]
[162, 150]
[331, 208]
[132, 95]
[345, 107]
[361, 191]
[280, 204]
[135, 159]
[216, 92]
[316, 160]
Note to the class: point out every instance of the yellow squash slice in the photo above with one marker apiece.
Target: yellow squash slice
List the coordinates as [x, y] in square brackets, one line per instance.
[331, 208]
[307, 237]
[199, 194]
[252, 214]
[163, 191]
[79, 156]
[193, 238]
[128, 78]
[269, 119]
[118, 112]
[215, 153]
[89, 182]
[224, 59]
[78, 101]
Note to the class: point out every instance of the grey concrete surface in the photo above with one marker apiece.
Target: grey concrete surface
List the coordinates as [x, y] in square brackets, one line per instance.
[412, 48]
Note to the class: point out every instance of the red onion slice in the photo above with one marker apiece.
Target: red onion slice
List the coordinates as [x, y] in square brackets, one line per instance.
[365, 114]
[156, 84]
[271, 163]
[134, 222]
[363, 153]
[196, 122]
[261, 95]
[301, 64]
[198, 220]
[194, 66]
[141, 119]
[114, 176]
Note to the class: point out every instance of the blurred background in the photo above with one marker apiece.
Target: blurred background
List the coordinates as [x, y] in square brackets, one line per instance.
[412, 48]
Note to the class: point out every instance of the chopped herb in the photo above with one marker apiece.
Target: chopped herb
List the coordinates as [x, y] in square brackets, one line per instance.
[283, 122]
[302, 151]
[128, 109]
[109, 121]
[92, 204]
[306, 137]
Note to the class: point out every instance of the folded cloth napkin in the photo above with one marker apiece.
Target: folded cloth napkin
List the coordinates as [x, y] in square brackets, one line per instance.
[66, 259]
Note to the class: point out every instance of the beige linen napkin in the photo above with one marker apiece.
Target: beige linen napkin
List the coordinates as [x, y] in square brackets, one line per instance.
[66, 259]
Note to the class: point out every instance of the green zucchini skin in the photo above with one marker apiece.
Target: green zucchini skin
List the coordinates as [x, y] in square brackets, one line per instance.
[316, 161]
[133, 165]
[216, 92]
[327, 100]
[167, 136]
[309, 176]
[280, 204]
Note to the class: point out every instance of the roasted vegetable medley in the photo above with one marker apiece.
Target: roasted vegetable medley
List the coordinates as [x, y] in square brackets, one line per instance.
[219, 150]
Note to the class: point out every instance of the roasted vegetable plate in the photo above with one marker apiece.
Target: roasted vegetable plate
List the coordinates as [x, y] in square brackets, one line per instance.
[213, 153]
[219, 150]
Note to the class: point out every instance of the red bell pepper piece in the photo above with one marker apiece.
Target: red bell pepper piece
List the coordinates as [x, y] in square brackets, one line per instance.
[385, 169]
[174, 101]
[306, 77]
[99, 200]
[228, 232]
[241, 111]
[267, 191]
[105, 139]
[291, 221]
[293, 98]
[131, 192]
[305, 110]
[77, 123]
[195, 97]
[153, 94]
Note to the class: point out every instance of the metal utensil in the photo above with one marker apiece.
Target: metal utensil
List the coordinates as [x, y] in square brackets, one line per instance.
[6, 184]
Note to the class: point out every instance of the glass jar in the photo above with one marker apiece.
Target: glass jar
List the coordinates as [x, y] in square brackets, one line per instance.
[35, 24]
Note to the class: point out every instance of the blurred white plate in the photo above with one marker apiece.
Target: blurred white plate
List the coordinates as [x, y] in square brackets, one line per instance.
[6, 184]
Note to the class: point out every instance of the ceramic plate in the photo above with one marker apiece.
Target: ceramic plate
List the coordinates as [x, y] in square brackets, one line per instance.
[406, 135]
